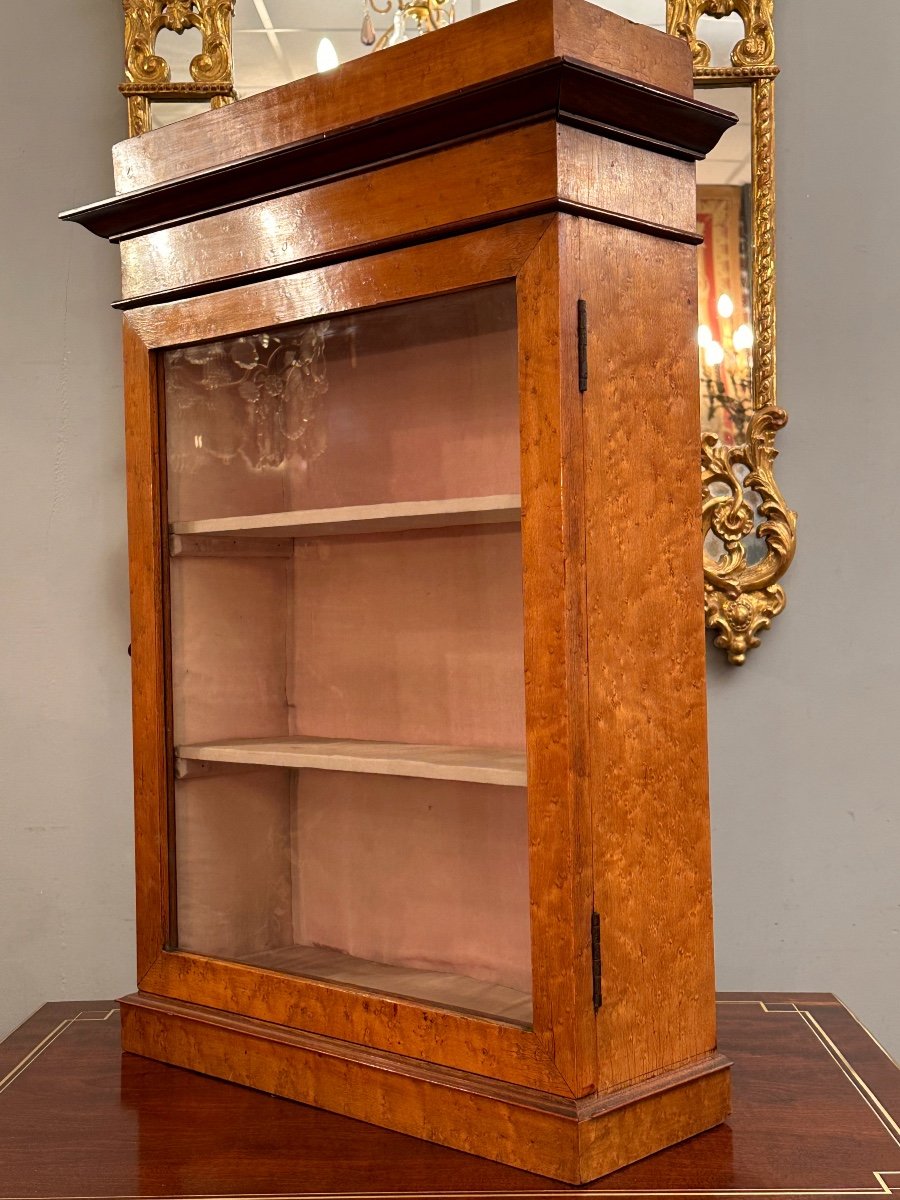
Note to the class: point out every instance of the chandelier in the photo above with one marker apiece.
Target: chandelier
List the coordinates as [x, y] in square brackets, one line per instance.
[257, 397]
[726, 371]
[411, 19]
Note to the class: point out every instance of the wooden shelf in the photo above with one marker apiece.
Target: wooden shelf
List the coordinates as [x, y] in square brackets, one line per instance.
[448, 990]
[363, 518]
[465, 764]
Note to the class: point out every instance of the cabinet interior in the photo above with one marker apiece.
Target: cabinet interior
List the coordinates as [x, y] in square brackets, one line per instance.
[347, 651]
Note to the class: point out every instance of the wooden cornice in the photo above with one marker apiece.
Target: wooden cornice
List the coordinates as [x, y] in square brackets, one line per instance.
[562, 88]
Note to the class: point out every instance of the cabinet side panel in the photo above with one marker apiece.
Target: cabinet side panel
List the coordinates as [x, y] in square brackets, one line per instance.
[646, 654]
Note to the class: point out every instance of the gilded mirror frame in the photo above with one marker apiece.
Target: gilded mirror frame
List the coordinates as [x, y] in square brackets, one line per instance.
[742, 599]
[740, 496]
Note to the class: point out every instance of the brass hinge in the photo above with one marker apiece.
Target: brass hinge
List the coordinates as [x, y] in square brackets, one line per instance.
[595, 960]
[582, 347]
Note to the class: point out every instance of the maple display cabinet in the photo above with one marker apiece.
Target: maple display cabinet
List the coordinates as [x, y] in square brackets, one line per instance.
[417, 600]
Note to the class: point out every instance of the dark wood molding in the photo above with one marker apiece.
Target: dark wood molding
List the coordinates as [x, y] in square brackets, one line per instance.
[562, 89]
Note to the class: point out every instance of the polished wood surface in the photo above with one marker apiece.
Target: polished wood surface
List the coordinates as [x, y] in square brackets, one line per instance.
[564, 1138]
[816, 1112]
[647, 742]
[513, 174]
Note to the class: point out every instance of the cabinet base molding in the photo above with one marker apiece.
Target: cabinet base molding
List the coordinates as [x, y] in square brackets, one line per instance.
[574, 1140]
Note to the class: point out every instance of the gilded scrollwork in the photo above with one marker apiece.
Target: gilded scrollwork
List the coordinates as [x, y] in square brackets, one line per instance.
[743, 598]
[755, 49]
[148, 76]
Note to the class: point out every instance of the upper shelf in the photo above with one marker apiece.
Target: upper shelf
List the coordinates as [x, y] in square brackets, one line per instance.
[363, 518]
[465, 764]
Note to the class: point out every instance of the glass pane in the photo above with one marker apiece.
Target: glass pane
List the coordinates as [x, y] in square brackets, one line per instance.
[347, 651]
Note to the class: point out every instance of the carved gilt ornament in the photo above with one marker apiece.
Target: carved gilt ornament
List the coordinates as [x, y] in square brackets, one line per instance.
[148, 78]
[742, 599]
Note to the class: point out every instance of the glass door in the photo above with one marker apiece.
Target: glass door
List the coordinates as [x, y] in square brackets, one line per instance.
[347, 651]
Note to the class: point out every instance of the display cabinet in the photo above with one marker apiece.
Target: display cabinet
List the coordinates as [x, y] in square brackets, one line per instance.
[417, 600]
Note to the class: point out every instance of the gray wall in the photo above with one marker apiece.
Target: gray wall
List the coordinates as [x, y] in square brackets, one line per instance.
[66, 909]
[805, 748]
[805, 739]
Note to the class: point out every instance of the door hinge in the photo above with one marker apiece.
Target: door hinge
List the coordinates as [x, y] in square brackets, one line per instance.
[595, 960]
[582, 347]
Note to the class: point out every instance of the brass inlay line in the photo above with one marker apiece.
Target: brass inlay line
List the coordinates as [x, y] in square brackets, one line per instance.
[51, 1037]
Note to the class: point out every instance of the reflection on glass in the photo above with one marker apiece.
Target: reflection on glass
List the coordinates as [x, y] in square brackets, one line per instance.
[725, 335]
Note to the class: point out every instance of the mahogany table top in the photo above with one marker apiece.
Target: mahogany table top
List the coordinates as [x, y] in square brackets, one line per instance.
[816, 1113]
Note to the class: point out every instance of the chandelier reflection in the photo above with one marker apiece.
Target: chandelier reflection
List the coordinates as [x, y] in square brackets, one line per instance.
[411, 19]
[726, 375]
[255, 396]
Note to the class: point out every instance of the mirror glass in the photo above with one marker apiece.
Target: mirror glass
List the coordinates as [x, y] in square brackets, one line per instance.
[725, 332]
[276, 41]
[724, 218]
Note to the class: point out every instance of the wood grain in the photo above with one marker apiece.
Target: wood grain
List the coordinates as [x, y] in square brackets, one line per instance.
[149, 652]
[436, 268]
[459, 992]
[555, 663]
[531, 1131]
[647, 656]
[395, 1025]
[505, 768]
[507, 175]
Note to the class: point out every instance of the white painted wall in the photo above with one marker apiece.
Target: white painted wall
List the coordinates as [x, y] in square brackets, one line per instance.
[805, 745]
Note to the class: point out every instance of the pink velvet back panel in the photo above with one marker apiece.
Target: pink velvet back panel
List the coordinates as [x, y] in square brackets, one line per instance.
[422, 404]
[420, 873]
[233, 860]
[229, 647]
[417, 638]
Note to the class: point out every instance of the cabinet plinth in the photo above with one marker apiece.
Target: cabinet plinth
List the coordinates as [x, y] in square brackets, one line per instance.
[420, 728]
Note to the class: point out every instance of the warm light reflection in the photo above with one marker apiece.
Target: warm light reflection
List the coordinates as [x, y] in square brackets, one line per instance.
[743, 338]
[704, 336]
[326, 56]
[714, 354]
[725, 306]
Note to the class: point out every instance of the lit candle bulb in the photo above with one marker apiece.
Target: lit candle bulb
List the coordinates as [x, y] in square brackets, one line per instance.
[326, 56]
[725, 306]
[743, 337]
[714, 355]
[704, 336]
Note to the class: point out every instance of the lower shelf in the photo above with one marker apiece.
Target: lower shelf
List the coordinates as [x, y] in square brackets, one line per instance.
[436, 987]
